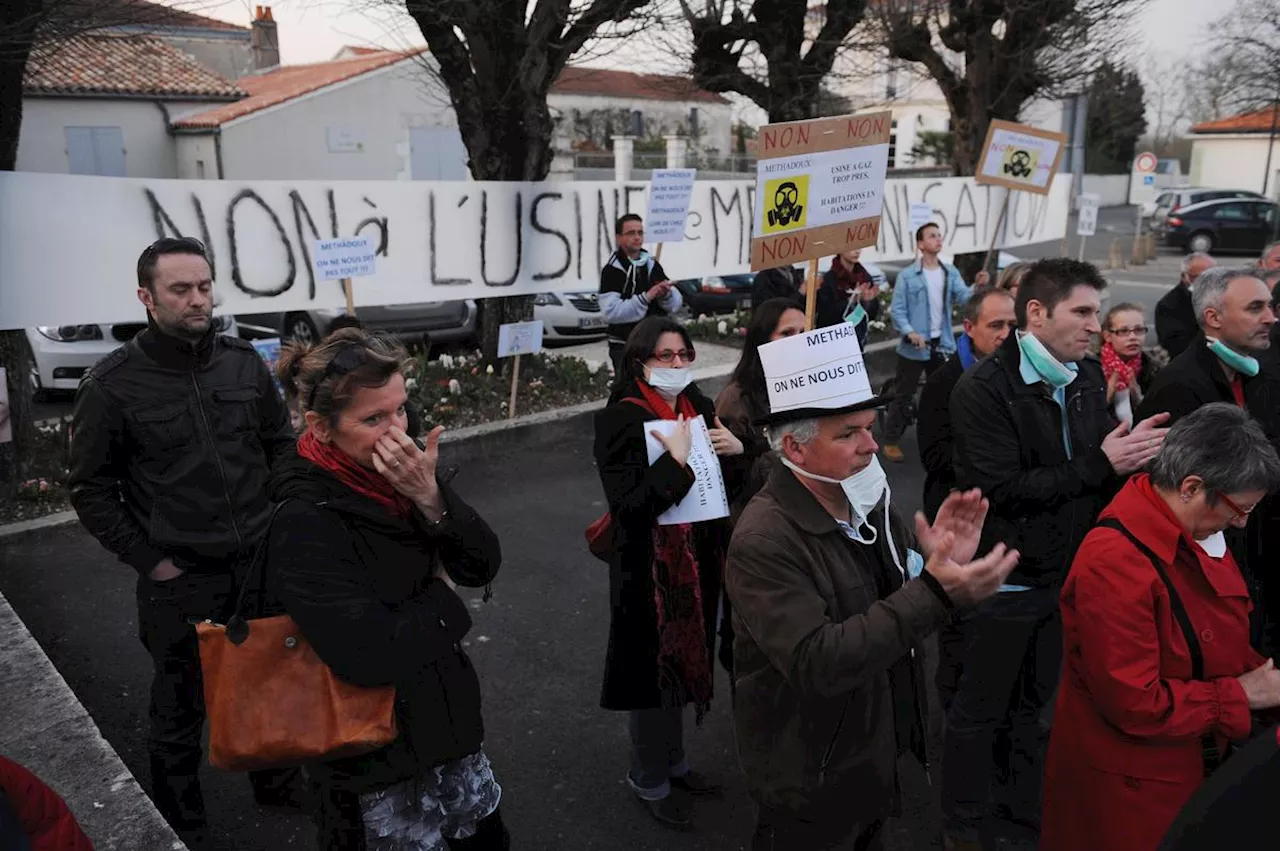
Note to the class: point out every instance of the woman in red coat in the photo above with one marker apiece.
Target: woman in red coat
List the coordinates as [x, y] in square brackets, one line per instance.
[1141, 710]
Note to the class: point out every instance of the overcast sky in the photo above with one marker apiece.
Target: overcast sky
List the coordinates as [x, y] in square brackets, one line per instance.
[314, 30]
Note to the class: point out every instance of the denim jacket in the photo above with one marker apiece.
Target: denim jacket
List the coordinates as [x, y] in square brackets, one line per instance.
[910, 309]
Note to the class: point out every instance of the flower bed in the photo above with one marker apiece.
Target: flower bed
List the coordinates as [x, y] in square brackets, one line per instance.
[44, 490]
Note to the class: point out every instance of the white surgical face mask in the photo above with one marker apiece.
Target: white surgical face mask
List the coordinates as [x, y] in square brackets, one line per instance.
[667, 380]
[1215, 545]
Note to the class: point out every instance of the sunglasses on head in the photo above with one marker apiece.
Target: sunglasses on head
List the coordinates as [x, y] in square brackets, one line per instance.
[350, 358]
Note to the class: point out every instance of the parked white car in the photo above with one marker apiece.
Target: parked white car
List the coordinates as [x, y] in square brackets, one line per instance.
[64, 353]
[570, 317]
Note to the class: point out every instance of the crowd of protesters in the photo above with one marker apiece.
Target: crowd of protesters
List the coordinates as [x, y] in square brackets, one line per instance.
[1090, 568]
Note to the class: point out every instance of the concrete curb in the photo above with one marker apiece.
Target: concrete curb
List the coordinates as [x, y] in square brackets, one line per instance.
[62, 518]
[45, 728]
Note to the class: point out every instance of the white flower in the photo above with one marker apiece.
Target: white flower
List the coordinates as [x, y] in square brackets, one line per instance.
[410, 383]
[702, 317]
[454, 387]
[446, 361]
[488, 370]
[593, 367]
[722, 328]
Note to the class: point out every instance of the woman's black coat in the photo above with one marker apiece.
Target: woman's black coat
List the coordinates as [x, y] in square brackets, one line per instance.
[360, 584]
[637, 493]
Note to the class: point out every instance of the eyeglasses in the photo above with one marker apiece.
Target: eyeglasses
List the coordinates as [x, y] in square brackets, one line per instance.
[1137, 330]
[669, 356]
[1236, 511]
[351, 357]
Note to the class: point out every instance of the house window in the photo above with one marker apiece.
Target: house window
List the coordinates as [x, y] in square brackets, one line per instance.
[95, 150]
[893, 144]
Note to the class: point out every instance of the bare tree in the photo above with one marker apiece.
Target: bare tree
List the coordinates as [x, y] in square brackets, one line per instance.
[1165, 80]
[1242, 72]
[778, 53]
[990, 58]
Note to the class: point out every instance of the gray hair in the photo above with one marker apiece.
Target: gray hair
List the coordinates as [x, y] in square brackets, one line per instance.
[1270, 248]
[1222, 445]
[801, 431]
[1210, 289]
[1194, 257]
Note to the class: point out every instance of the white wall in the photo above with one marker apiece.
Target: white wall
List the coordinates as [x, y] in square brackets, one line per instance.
[149, 149]
[715, 120]
[291, 141]
[1233, 162]
[197, 157]
[1112, 189]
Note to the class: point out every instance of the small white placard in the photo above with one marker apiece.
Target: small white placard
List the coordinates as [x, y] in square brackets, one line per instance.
[520, 338]
[820, 369]
[352, 257]
[670, 193]
[921, 215]
[1087, 222]
[707, 499]
[344, 140]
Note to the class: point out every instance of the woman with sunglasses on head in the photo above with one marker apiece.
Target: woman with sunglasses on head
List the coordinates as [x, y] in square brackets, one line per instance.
[363, 553]
[664, 581]
[1159, 675]
[1127, 368]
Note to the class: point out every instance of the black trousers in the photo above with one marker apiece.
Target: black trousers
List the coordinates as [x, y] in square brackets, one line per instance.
[780, 831]
[906, 383]
[615, 355]
[176, 714]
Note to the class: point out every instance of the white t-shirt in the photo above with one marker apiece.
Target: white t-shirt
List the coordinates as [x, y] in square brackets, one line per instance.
[934, 280]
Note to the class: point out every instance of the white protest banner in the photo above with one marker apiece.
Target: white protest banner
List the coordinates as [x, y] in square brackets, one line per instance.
[921, 215]
[670, 193]
[347, 257]
[1087, 214]
[707, 499]
[519, 338]
[819, 369]
[819, 187]
[1019, 156]
[435, 241]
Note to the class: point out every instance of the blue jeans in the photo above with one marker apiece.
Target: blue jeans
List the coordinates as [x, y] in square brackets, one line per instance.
[1011, 661]
[657, 751]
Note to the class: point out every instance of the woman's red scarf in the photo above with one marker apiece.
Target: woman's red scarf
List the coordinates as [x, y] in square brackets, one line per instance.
[1128, 369]
[360, 479]
[849, 279]
[684, 659]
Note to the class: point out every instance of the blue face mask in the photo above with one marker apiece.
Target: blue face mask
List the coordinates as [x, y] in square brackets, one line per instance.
[1242, 364]
[1049, 368]
[855, 316]
[642, 259]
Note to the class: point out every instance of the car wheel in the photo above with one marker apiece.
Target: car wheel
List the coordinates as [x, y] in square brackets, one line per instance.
[299, 327]
[1201, 241]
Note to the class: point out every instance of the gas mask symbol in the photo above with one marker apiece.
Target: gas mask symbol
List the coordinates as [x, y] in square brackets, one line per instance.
[785, 209]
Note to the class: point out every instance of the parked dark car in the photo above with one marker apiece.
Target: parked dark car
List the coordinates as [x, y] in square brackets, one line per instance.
[1172, 200]
[437, 322]
[716, 293]
[1217, 226]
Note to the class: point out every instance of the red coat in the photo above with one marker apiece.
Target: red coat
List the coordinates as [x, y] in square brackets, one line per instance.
[45, 819]
[1125, 754]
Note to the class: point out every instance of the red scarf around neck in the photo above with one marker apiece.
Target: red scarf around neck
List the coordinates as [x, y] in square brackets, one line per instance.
[360, 479]
[684, 657]
[1128, 369]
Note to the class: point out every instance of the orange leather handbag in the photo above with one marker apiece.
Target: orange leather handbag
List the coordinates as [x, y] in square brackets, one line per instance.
[599, 534]
[271, 701]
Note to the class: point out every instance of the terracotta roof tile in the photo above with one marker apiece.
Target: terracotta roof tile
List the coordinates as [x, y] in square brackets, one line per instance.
[1260, 121]
[290, 81]
[122, 65]
[602, 82]
[155, 15]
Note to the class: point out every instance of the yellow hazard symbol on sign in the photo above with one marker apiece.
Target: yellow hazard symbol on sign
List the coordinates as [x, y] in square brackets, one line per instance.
[786, 203]
[1020, 163]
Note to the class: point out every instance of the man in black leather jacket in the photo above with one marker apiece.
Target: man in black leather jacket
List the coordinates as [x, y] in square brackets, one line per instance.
[173, 438]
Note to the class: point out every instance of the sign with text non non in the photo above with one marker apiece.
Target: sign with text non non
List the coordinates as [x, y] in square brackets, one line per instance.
[670, 194]
[1019, 156]
[519, 338]
[819, 187]
[1087, 214]
[707, 499]
[820, 369]
[350, 257]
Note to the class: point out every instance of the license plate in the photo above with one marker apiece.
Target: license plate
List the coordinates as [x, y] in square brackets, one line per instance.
[744, 304]
[593, 322]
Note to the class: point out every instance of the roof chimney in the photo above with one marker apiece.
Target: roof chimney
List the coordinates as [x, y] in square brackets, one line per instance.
[264, 39]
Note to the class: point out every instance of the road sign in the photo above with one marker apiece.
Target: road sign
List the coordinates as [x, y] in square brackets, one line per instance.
[1087, 222]
[819, 187]
[1145, 163]
[1142, 179]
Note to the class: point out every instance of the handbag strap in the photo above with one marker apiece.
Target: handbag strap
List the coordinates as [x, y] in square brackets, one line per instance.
[1210, 751]
[237, 627]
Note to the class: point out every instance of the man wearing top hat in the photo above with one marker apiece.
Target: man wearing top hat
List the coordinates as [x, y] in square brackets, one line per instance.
[833, 596]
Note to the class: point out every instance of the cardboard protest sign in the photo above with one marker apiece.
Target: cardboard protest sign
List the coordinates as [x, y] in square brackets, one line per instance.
[1087, 222]
[707, 499]
[352, 257]
[820, 370]
[519, 338]
[670, 194]
[921, 214]
[1019, 156]
[819, 188]
[269, 351]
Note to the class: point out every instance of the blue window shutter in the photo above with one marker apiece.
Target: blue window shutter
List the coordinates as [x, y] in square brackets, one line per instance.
[80, 156]
[108, 144]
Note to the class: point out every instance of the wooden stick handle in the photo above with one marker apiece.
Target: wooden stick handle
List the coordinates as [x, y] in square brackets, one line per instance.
[515, 384]
[347, 291]
[657, 254]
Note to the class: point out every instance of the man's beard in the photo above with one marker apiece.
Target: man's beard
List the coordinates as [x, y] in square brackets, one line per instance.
[184, 331]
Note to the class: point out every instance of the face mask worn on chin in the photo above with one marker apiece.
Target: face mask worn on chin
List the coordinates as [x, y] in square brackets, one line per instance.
[641, 259]
[1050, 368]
[856, 314]
[863, 490]
[1215, 546]
[670, 381]
[1242, 364]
